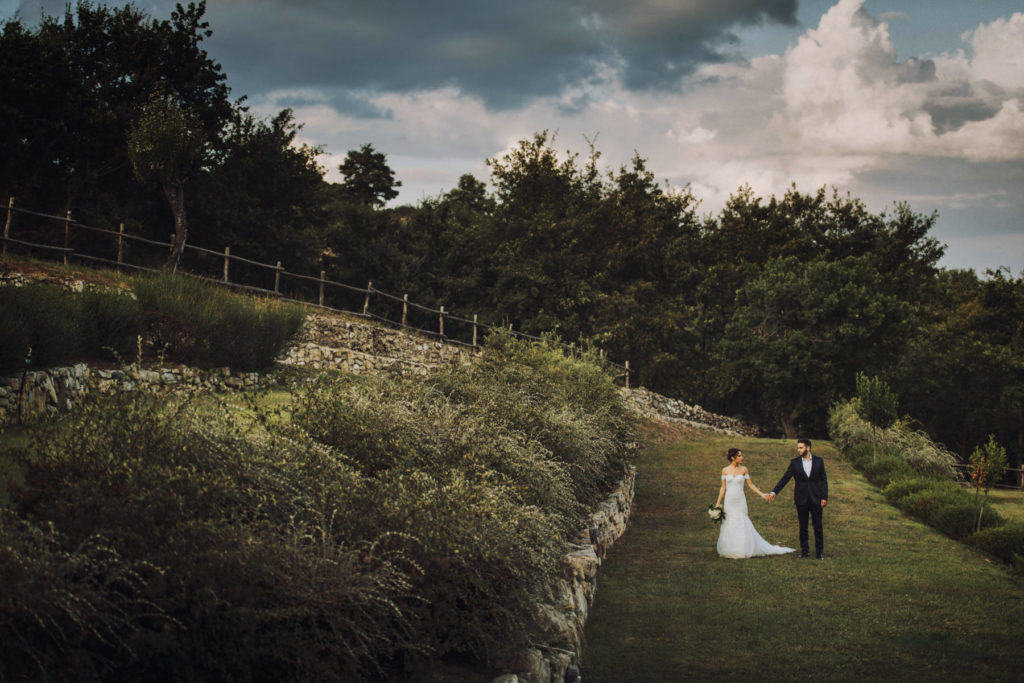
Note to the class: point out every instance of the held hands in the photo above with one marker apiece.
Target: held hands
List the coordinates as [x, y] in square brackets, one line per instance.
[770, 496]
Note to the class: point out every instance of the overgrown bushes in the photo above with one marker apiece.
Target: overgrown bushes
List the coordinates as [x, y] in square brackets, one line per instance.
[189, 321]
[58, 325]
[198, 324]
[381, 519]
[914, 474]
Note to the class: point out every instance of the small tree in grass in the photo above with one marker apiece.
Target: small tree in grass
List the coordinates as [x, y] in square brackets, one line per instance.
[876, 405]
[986, 469]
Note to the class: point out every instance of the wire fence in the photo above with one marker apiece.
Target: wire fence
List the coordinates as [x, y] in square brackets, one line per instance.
[61, 238]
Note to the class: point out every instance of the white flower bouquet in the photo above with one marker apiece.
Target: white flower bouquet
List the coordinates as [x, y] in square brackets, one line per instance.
[716, 513]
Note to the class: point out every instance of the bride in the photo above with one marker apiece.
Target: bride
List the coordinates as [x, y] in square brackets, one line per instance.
[738, 538]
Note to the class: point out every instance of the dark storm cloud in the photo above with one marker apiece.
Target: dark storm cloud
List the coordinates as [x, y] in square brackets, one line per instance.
[503, 52]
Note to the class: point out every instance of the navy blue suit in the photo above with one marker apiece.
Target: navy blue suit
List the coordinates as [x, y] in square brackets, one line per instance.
[808, 492]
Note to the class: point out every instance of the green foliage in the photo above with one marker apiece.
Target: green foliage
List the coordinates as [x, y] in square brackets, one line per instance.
[257, 577]
[368, 178]
[876, 403]
[853, 434]
[898, 489]
[1005, 542]
[59, 325]
[198, 323]
[987, 464]
[884, 469]
[371, 521]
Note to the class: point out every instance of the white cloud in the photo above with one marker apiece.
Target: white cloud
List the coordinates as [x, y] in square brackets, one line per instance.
[998, 51]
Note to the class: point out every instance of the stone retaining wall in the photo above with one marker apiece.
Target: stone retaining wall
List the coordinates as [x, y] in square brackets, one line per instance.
[564, 616]
[650, 404]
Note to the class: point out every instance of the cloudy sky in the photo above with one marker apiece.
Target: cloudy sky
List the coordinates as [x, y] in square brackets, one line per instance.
[887, 100]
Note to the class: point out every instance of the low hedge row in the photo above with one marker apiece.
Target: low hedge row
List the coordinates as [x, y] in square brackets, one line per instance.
[189, 321]
[925, 493]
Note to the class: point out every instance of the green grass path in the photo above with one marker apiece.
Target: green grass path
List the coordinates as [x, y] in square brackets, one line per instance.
[893, 599]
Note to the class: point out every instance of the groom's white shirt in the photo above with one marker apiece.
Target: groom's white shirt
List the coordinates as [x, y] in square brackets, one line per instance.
[807, 465]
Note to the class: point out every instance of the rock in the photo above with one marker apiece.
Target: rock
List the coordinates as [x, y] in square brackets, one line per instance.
[506, 678]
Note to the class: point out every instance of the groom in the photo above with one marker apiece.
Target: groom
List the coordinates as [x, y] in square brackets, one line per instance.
[810, 494]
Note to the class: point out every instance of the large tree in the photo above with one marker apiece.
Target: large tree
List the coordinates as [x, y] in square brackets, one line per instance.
[72, 87]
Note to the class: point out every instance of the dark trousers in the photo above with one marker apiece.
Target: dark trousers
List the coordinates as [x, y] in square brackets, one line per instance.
[812, 510]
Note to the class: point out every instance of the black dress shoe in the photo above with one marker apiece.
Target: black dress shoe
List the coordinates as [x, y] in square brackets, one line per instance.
[821, 557]
[803, 555]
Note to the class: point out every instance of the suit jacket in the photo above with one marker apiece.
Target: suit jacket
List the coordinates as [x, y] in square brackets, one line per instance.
[813, 489]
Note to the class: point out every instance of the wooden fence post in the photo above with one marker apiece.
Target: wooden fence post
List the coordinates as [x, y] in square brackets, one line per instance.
[405, 308]
[227, 260]
[277, 278]
[474, 330]
[441, 321]
[120, 243]
[67, 234]
[627, 374]
[322, 274]
[366, 301]
[7, 224]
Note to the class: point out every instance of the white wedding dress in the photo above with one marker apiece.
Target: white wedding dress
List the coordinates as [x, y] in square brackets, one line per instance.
[738, 538]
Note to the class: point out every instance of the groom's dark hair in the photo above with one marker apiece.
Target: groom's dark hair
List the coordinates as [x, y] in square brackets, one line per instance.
[806, 442]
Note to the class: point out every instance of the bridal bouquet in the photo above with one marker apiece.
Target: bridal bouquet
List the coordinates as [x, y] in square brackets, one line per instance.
[717, 514]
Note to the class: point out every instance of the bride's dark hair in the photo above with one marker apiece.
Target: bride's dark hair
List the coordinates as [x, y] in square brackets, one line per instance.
[731, 455]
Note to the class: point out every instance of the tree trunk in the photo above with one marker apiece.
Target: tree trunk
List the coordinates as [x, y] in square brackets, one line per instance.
[788, 421]
[175, 193]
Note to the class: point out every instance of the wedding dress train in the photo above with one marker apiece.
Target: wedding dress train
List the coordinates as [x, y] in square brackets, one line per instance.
[738, 538]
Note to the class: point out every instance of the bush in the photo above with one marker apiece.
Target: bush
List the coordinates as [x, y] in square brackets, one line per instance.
[960, 520]
[885, 469]
[900, 488]
[248, 530]
[49, 323]
[926, 503]
[388, 518]
[110, 323]
[1005, 542]
[197, 323]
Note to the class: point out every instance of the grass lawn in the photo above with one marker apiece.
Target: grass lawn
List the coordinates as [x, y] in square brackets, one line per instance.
[893, 599]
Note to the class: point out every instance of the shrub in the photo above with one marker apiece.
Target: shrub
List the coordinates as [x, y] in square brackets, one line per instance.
[885, 469]
[110, 322]
[198, 323]
[249, 528]
[900, 488]
[1005, 542]
[49, 323]
[960, 520]
[926, 503]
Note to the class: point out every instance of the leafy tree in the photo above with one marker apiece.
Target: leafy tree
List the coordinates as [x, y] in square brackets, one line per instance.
[165, 143]
[986, 469]
[799, 332]
[74, 85]
[369, 180]
[264, 196]
[876, 405]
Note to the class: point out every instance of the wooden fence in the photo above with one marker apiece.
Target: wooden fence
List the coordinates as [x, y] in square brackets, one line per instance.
[365, 302]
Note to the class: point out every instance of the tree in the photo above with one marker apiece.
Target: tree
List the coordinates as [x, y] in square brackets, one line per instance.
[264, 196]
[986, 469]
[165, 143]
[369, 180]
[876, 405]
[73, 86]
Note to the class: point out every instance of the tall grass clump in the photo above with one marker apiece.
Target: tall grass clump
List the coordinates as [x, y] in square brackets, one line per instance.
[196, 323]
[59, 325]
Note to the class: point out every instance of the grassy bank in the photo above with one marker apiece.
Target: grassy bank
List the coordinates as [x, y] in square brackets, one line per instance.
[894, 598]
